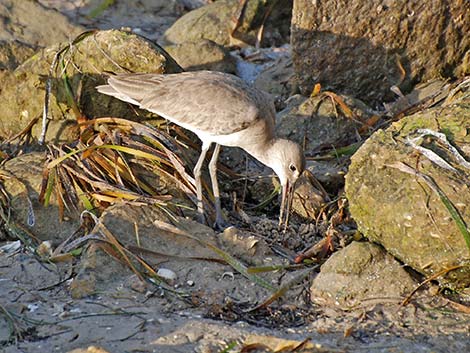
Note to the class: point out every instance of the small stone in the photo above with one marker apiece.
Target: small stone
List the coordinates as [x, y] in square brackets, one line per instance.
[167, 274]
[44, 249]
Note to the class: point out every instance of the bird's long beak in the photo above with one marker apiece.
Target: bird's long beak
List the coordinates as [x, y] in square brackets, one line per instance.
[286, 204]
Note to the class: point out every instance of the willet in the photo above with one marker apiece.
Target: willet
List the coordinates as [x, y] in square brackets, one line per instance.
[222, 109]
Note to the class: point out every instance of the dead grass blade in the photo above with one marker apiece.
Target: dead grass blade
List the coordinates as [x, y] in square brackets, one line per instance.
[273, 268]
[427, 280]
[317, 252]
[460, 307]
[26, 131]
[454, 213]
[121, 253]
[13, 229]
[14, 326]
[316, 90]
[400, 67]
[260, 34]
[337, 100]
[338, 152]
[267, 200]
[237, 17]
[229, 259]
[138, 249]
[283, 289]
[114, 164]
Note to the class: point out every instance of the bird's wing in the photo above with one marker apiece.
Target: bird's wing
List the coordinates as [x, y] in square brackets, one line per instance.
[214, 103]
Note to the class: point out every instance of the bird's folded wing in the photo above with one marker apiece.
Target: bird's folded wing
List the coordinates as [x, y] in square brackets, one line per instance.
[215, 103]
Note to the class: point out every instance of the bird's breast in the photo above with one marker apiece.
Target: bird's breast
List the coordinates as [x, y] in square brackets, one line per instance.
[255, 134]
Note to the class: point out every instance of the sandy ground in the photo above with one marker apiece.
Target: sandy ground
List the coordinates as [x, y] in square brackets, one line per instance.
[122, 319]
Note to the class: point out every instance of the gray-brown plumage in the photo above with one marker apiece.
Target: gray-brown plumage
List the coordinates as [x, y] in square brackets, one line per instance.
[219, 108]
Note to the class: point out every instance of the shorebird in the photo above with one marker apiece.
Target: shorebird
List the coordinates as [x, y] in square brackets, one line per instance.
[221, 109]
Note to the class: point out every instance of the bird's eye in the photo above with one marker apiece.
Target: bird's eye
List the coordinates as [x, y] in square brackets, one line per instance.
[292, 168]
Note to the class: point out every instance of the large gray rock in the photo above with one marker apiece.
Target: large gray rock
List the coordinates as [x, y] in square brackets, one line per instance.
[360, 273]
[22, 92]
[399, 210]
[149, 18]
[318, 122]
[357, 47]
[29, 22]
[202, 55]
[215, 22]
[276, 78]
[13, 53]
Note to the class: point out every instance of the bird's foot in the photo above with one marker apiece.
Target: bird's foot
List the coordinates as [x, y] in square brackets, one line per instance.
[220, 224]
[202, 219]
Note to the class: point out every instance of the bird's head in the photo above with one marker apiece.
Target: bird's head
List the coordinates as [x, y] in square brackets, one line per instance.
[287, 160]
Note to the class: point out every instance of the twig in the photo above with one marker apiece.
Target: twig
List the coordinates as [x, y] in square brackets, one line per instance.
[427, 280]
[45, 111]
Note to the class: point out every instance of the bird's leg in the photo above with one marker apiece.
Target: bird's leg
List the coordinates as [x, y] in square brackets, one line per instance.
[197, 177]
[219, 219]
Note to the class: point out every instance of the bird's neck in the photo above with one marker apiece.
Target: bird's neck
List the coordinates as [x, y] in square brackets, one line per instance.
[261, 151]
[268, 154]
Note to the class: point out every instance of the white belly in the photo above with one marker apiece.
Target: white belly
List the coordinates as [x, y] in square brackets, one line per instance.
[236, 139]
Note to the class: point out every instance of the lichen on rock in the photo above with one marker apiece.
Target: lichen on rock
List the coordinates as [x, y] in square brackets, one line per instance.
[400, 211]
